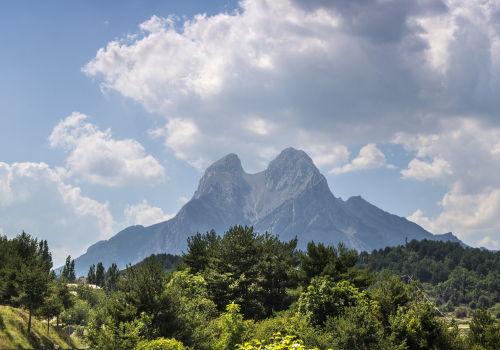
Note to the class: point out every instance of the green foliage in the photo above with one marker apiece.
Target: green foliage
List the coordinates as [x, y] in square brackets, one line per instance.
[390, 294]
[100, 276]
[288, 323]
[78, 314]
[68, 271]
[91, 275]
[251, 270]
[417, 327]
[338, 263]
[143, 287]
[122, 336]
[356, 329]
[112, 278]
[32, 283]
[325, 297]
[190, 311]
[51, 308]
[161, 344]
[483, 330]
[276, 342]
[232, 328]
[461, 276]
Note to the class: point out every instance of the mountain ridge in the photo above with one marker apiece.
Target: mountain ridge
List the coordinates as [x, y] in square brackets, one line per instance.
[290, 198]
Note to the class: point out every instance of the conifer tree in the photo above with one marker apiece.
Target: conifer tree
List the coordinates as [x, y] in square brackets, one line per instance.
[91, 275]
[99, 275]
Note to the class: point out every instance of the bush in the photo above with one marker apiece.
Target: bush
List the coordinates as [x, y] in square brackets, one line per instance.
[461, 312]
[277, 342]
[473, 305]
[161, 344]
[449, 307]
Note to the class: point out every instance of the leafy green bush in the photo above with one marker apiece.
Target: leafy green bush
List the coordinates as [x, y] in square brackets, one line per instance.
[325, 297]
[276, 342]
[161, 344]
[232, 327]
[461, 312]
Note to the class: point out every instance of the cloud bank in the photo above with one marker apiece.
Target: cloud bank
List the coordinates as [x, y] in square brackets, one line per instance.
[144, 214]
[34, 198]
[98, 158]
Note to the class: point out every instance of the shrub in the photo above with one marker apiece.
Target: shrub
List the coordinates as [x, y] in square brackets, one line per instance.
[161, 344]
[461, 312]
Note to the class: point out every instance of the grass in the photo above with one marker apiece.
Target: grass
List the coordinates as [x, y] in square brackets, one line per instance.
[14, 332]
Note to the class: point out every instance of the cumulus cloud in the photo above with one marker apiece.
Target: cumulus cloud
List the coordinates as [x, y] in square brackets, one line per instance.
[144, 214]
[183, 199]
[488, 242]
[465, 158]
[98, 158]
[370, 157]
[303, 73]
[421, 170]
[34, 198]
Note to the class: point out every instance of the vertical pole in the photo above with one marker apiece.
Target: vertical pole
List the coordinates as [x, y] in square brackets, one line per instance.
[69, 340]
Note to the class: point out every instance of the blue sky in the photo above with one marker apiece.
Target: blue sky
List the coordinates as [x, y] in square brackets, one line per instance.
[110, 111]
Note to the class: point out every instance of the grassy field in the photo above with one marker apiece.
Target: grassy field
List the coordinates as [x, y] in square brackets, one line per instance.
[14, 332]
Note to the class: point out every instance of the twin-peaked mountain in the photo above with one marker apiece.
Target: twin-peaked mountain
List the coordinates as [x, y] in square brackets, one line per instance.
[290, 198]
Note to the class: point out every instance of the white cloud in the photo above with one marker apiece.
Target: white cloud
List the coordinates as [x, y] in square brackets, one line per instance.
[98, 158]
[34, 198]
[307, 74]
[144, 214]
[421, 170]
[370, 157]
[183, 199]
[489, 243]
[465, 159]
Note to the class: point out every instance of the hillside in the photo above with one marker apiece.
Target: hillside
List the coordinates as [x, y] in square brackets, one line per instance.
[13, 334]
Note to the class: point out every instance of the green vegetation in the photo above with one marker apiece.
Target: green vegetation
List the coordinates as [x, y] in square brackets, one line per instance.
[458, 280]
[14, 334]
[244, 290]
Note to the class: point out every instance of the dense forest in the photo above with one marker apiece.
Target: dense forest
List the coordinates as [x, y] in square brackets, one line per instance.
[244, 290]
[458, 279]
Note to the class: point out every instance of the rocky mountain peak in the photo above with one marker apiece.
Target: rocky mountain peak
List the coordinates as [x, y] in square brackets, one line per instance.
[224, 175]
[292, 168]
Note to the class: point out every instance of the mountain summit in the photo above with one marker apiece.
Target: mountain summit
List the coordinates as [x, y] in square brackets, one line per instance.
[290, 198]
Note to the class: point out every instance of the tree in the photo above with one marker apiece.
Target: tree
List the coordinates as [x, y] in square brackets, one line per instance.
[483, 330]
[232, 326]
[112, 279]
[68, 270]
[100, 277]
[245, 267]
[325, 297]
[91, 275]
[33, 285]
[51, 308]
[63, 295]
[338, 263]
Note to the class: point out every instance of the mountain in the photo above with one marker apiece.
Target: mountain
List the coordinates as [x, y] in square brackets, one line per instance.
[290, 198]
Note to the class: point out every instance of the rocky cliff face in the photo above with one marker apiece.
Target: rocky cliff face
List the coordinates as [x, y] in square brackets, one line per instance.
[290, 198]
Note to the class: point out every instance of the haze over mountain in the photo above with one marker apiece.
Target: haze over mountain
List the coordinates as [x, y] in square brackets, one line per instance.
[290, 198]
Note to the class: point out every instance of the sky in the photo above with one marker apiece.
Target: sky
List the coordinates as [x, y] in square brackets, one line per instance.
[111, 111]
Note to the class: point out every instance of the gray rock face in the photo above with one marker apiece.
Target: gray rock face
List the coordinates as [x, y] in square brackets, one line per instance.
[290, 198]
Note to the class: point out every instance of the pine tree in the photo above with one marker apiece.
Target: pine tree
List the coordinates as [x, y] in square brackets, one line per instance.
[33, 285]
[112, 278]
[91, 275]
[68, 270]
[99, 275]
